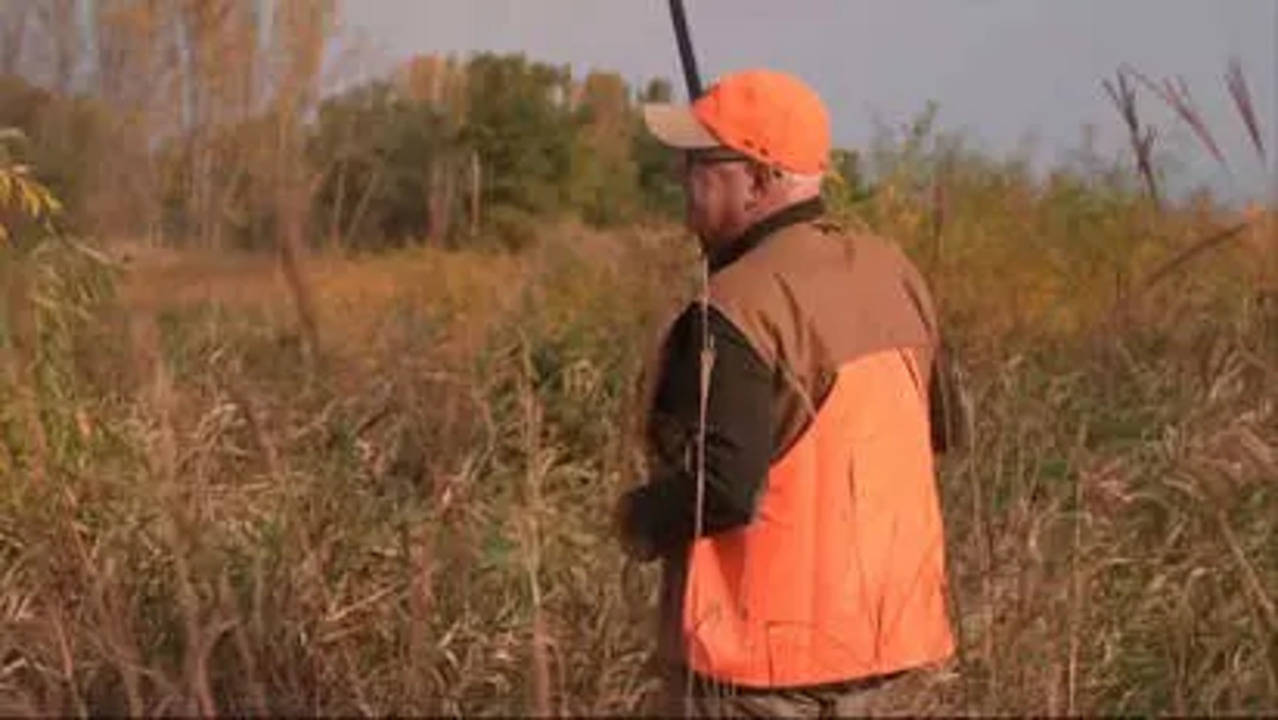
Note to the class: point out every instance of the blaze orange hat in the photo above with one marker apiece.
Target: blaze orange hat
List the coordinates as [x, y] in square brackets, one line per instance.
[769, 116]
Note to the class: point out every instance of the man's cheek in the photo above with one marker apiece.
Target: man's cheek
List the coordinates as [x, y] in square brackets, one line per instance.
[695, 205]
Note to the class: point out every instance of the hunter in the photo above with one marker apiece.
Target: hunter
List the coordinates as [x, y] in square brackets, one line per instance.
[794, 501]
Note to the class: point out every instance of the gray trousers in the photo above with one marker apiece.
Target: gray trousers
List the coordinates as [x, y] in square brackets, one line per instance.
[701, 700]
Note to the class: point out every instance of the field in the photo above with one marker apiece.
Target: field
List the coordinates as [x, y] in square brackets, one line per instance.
[200, 512]
[318, 385]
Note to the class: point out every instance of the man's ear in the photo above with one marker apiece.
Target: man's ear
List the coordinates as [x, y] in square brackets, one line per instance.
[761, 179]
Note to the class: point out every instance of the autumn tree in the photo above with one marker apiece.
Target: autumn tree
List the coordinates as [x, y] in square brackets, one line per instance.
[656, 167]
[604, 177]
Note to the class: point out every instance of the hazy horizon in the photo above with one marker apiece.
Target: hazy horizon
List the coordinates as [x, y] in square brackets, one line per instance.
[1007, 73]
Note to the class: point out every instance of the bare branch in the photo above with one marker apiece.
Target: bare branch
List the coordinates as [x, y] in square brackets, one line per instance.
[13, 34]
[1236, 81]
[1178, 98]
[1123, 95]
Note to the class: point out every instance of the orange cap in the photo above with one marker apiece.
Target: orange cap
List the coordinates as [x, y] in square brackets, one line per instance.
[770, 116]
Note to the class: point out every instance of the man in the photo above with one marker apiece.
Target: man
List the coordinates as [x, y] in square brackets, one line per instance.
[794, 501]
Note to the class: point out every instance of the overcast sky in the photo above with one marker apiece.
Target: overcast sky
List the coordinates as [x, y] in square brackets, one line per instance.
[1001, 70]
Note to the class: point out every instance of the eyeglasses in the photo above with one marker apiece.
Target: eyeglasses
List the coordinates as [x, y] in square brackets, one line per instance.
[714, 156]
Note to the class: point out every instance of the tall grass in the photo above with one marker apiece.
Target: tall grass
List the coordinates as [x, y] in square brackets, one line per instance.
[417, 522]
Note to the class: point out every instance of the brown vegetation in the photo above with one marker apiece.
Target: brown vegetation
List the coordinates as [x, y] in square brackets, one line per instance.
[398, 503]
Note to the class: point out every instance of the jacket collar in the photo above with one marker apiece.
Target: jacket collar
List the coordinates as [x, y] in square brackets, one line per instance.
[755, 235]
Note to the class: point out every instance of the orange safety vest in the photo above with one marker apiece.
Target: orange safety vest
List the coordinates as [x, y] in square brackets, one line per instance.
[842, 573]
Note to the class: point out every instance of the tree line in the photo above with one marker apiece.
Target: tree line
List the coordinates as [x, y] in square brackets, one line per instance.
[235, 124]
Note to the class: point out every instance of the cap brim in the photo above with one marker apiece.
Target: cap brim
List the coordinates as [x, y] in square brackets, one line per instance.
[677, 127]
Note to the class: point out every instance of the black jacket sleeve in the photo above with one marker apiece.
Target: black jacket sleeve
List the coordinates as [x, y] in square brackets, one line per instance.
[738, 436]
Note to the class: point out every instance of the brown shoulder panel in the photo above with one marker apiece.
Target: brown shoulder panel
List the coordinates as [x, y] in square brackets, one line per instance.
[812, 298]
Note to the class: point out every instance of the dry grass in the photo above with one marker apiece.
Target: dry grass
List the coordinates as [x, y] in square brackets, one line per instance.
[419, 525]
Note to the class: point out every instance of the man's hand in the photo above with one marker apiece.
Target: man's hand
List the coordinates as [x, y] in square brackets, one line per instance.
[634, 543]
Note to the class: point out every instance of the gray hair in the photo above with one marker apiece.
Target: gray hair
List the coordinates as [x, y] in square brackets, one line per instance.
[792, 182]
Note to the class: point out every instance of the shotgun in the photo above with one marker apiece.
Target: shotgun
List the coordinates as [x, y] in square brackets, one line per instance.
[687, 57]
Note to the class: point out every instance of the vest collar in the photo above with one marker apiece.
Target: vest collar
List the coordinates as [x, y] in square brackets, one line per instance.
[754, 236]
